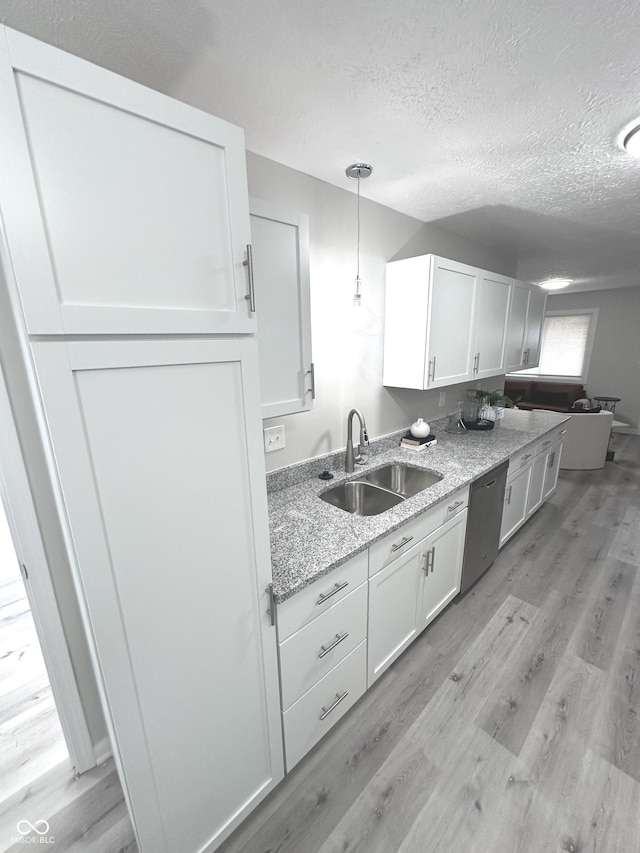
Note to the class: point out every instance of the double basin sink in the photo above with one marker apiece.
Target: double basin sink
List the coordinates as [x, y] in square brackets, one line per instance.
[380, 490]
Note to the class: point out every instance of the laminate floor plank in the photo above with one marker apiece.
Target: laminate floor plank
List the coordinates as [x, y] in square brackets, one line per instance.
[479, 672]
[510, 711]
[377, 822]
[602, 816]
[466, 799]
[596, 633]
[626, 544]
[617, 735]
[541, 784]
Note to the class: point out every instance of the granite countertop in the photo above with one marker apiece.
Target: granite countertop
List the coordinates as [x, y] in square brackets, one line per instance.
[309, 537]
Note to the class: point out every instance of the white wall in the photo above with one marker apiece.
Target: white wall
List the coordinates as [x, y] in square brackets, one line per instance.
[615, 361]
[348, 368]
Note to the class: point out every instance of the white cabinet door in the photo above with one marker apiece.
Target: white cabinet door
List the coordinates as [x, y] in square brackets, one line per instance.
[157, 448]
[514, 511]
[536, 484]
[442, 568]
[280, 240]
[492, 313]
[552, 469]
[535, 321]
[393, 596]
[124, 211]
[450, 323]
[516, 326]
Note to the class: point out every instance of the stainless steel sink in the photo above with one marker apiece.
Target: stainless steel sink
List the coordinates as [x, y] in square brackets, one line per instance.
[402, 479]
[361, 498]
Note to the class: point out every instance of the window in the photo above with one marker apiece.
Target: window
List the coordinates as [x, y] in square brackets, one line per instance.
[565, 348]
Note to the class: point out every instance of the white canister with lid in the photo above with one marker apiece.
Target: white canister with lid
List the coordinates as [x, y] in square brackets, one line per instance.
[420, 429]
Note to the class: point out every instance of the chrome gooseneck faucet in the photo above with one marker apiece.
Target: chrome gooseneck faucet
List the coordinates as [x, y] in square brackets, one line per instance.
[349, 458]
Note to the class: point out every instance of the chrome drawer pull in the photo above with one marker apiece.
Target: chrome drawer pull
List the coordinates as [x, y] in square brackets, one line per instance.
[339, 698]
[527, 456]
[336, 642]
[546, 443]
[508, 495]
[431, 559]
[336, 588]
[563, 432]
[402, 543]
[454, 506]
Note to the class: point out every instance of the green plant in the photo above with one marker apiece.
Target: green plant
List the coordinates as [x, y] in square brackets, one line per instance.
[495, 398]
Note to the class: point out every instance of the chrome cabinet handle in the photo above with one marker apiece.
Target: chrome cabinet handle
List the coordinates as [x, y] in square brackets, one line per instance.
[251, 296]
[552, 459]
[508, 495]
[339, 698]
[402, 543]
[525, 356]
[476, 363]
[312, 372]
[563, 432]
[326, 649]
[546, 443]
[431, 559]
[431, 372]
[454, 506]
[335, 589]
[271, 609]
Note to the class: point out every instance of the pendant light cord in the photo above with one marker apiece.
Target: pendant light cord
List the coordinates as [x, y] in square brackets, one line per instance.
[358, 239]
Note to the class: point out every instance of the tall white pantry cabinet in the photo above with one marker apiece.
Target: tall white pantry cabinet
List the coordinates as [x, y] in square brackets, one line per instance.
[125, 227]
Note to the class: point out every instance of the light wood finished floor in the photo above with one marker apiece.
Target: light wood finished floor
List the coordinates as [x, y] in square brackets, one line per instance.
[512, 725]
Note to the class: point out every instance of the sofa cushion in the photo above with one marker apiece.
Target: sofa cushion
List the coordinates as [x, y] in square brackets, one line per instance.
[550, 398]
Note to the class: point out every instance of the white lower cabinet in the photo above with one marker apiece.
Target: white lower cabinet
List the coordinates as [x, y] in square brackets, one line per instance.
[532, 478]
[552, 469]
[442, 571]
[408, 592]
[393, 601]
[322, 644]
[514, 511]
[338, 635]
[311, 717]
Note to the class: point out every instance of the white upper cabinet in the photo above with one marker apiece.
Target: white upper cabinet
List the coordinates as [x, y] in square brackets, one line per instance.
[280, 240]
[90, 254]
[429, 322]
[492, 314]
[517, 325]
[524, 331]
[535, 322]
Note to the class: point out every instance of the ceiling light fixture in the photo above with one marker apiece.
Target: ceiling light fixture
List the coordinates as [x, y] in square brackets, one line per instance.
[555, 283]
[631, 141]
[364, 322]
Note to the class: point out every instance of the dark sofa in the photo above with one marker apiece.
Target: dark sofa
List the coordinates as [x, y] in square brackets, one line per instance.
[553, 396]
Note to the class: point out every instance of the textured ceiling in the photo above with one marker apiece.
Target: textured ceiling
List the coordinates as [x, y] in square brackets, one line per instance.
[498, 119]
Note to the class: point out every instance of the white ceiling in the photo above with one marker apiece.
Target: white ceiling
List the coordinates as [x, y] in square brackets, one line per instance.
[499, 119]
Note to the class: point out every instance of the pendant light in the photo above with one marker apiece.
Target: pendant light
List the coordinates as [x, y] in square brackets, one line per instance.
[363, 322]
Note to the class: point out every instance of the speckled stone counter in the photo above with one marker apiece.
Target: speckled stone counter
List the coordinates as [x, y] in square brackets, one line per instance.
[309, 537]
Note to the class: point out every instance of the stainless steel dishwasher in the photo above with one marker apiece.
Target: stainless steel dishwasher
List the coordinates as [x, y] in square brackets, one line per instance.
[483, 524]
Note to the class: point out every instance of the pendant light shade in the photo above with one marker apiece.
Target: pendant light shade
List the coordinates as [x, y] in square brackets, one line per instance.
[363, 322]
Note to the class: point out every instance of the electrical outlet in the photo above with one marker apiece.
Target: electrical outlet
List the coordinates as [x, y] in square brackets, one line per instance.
[273, 438]
[442, 399]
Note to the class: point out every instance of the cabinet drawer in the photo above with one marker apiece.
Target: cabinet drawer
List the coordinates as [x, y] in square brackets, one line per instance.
[321, 595]
[320, 708]
[310, 653]
[522, 458]
[395, 544]
[551, 438]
